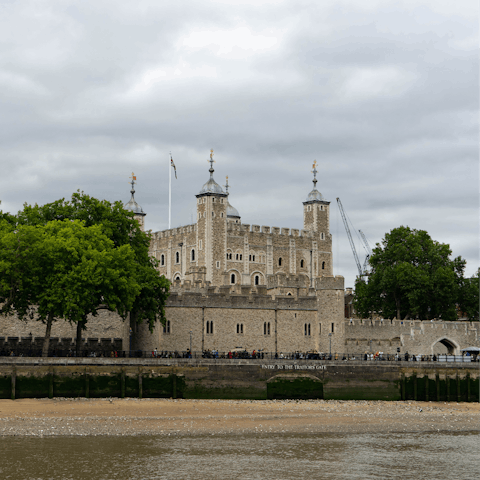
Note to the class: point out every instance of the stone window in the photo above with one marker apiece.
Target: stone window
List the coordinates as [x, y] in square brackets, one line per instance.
[204, 214]
[241, 256]
[321, 207]
[319, 328]
[200, 245]
[218, 264]
[209, 327]
[333, 328]
[266, 328]
[257, 280]
[323, 265]
[309, 208]
[213, 214]
[204, 199]
[221, 200]
[166, 327]
[213, 199]
[199, 215]
[289, 294]
[307, 330]
[240, 328]
[177, 257]
[280, 262]
[193, 255]
[232, 279]
[162, 260]
[322, 236]
[302, 263]
[221, 214]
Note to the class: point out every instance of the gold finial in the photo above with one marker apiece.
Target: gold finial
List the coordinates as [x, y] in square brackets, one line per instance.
[314, 164]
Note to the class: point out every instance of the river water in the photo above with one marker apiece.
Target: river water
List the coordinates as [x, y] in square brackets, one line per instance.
[435, 456]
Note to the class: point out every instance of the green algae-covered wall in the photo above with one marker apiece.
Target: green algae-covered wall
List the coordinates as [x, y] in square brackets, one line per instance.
[246, 380]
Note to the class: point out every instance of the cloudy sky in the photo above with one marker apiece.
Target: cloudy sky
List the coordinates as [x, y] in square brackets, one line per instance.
[383, 94]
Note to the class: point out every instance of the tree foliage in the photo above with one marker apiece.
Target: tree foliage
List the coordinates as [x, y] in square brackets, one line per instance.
[114, 269]
[62, 270]
[412, 276]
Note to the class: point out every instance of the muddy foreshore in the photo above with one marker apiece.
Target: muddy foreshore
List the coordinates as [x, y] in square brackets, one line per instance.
[118, 417]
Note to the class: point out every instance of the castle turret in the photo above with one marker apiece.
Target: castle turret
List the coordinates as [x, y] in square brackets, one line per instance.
[212, 228]
[316, 209]
[316, 219]
[134, 207]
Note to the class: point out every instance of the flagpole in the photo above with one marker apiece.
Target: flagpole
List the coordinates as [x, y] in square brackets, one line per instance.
[169, 195]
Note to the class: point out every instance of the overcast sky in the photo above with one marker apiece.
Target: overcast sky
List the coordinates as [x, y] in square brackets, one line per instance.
[383, 94]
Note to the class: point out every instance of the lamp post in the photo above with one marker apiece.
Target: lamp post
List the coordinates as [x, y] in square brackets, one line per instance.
[191, 356]
[330, 338]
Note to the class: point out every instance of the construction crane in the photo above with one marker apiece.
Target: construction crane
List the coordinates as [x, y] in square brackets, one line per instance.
[350, 239]
[367, 249]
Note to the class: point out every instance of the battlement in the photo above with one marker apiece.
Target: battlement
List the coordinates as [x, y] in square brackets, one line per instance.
[175, 231]
[221, 297]
[242, 228]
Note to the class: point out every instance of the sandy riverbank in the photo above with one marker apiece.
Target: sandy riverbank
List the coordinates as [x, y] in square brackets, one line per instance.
[60, 416]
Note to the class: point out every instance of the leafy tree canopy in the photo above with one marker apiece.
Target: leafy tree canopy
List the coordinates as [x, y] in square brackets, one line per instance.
[412, 276]
[62, 270]
[122, 230]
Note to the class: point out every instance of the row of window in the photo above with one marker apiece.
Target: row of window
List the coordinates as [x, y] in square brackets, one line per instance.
[233, 279]
[309, 208]
[307, 330]
[205, 215]
[213, 200]
[238, 256]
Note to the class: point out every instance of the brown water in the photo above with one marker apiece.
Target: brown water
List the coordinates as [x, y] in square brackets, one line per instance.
[287, 456]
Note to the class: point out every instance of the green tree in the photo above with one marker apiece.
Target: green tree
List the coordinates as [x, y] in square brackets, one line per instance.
[412, 276]
[119, 226]
[63, 270]
[468, 303]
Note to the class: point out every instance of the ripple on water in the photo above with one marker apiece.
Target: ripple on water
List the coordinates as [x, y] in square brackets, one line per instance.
[263, 456]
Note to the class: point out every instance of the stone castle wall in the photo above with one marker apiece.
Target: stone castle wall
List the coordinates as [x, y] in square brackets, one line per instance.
[420, 337]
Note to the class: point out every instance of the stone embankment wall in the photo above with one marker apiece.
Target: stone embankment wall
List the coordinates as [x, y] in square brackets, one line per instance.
[248, 379]
[413, 336]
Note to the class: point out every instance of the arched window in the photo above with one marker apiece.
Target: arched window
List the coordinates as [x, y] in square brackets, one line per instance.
[177, 257]
[162, 260]
[289, 294]
[193, 255]
[177, 277]
[280, 262]
[232, 279]
[257, 280]
[237, 256]
[302, 263]
[323, 265]
[249, 258]
[221, 214]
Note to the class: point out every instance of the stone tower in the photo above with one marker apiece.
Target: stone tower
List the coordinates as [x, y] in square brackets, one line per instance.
[316, 219]
[134, 207]
[212, 228]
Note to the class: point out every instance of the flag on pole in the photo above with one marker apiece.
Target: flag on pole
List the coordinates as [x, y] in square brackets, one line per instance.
[173, 165]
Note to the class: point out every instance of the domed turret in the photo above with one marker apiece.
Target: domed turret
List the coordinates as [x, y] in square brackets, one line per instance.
[133, 206]
[211, 186]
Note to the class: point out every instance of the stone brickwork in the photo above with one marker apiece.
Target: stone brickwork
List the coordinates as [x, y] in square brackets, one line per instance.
[413, 336]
